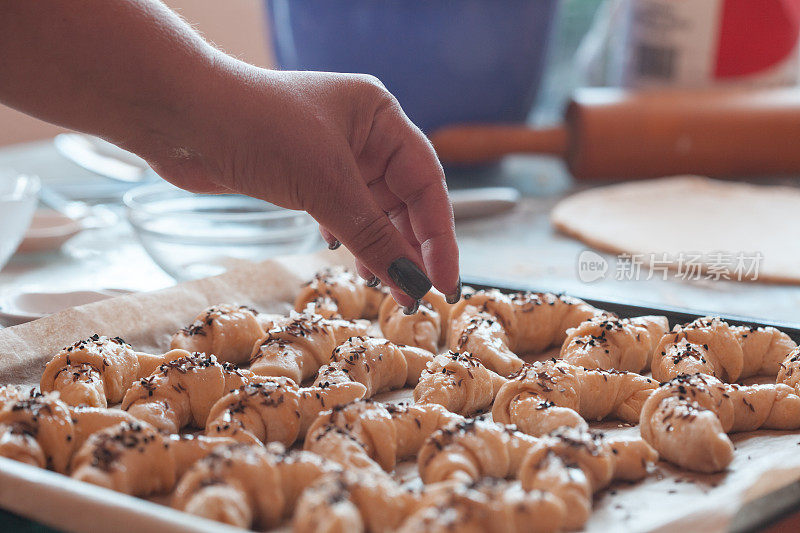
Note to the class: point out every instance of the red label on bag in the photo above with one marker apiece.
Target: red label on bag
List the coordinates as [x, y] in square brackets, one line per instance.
[755, 36]
[695, 43]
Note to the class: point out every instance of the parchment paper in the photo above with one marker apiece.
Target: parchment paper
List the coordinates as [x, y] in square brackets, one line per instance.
[668, 500]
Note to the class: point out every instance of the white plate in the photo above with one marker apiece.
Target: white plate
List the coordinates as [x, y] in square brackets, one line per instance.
[18, 307]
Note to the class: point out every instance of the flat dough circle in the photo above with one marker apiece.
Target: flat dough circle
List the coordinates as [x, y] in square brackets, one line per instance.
[690, 215]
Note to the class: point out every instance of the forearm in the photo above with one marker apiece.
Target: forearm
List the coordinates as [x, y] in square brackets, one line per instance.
[338, 146]
[125, 70]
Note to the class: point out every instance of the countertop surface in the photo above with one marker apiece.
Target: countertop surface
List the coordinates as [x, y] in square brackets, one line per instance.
[517, 246]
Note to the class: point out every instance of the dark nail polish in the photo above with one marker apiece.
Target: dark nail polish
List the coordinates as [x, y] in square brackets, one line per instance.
[411, 309]
[456, 295]
[373, 282]
[334, 245]
[409, 278]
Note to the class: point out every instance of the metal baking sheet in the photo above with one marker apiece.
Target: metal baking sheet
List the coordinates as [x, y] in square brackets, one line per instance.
[756, 514]
[18, 482]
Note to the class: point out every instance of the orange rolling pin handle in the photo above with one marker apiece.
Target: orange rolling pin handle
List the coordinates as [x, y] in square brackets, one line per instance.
[470, 144]
[611, 133]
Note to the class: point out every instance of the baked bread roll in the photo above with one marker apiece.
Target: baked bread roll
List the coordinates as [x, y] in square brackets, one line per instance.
[546, 395]
[497, 327]
[377, 364]
[137, 459]
[180, 393]
[424, 329]
[97, 371]
[459, 382]
[711, 346]
[248, 486]
[226, 331]
[687, 418]
[610, 343]
[297, 346]
[275, 410]
[339, 293]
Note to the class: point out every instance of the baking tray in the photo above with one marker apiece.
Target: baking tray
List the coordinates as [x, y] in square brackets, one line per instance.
[754, 515]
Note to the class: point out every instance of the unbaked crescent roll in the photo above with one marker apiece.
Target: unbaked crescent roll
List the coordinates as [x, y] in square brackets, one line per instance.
[347, 501]
[180, 393]
[789, 373]
[497, 327]
[459, 382]
[297, 346]
[424, 329]
[339, 293]
[548, 394]
[610, 343]
[482, 334]
[489, 505]
[248, 485]
[227, 331]
[97, 371]
[41, 430]
[711, 346]
[687, 418]
[137, 459]
[377, 364]
[275, 410]
[467, 450]
[37, 430]
[364, 433]
[573, 464]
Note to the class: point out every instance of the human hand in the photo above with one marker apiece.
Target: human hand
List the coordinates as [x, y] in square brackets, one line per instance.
[337, 146]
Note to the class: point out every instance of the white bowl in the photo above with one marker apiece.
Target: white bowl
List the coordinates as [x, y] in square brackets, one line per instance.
[18, 199]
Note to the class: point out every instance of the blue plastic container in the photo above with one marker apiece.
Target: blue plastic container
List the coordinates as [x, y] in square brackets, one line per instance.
[447, 61]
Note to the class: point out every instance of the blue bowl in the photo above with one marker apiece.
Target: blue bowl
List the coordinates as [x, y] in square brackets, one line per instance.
[447, 61]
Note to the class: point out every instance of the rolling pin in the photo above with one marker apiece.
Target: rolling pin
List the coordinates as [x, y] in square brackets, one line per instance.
[613, 133]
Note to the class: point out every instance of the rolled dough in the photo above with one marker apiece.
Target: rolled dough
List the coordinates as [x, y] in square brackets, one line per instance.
[690, 215]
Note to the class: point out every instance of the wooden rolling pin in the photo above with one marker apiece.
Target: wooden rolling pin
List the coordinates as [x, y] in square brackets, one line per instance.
[611, 133]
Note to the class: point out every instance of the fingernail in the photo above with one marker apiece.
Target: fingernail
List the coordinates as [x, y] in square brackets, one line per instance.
[409, 278]
[373, 282]
[334, 245]
[410, 310]
[455, 295]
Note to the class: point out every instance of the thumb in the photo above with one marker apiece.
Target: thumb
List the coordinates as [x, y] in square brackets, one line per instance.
[349, 212]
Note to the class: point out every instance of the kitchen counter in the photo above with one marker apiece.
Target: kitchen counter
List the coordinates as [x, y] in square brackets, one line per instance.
[518, 246]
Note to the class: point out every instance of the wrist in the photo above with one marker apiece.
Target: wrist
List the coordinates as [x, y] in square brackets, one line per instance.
[181, 117]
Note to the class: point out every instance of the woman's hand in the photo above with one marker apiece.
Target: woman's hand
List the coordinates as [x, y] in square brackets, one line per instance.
[339, 147]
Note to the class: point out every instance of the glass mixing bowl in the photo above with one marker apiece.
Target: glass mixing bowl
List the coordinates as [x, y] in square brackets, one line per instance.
[192, 236]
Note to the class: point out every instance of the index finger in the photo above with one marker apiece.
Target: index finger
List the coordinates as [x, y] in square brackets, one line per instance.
[415, 176]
